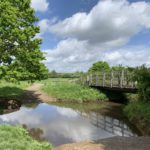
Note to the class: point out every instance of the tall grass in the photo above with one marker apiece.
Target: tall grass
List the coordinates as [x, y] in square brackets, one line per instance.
[17, 138]
[65, 90]
[139, 113]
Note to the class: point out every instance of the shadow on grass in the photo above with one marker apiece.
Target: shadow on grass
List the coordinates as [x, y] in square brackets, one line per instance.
[10, 92]
[12, 97]
[16, 93]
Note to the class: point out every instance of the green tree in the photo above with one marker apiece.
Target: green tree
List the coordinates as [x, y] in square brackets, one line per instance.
[99, 66]
[19, 49]
[118, 68]
[53, 74]
[142, 76]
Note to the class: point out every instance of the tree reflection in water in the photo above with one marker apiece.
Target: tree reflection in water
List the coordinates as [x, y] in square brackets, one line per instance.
[36, 133]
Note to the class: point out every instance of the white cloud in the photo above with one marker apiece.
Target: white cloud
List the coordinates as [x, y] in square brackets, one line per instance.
[44, 25]
[108, 21]
[40, 5]
[93, 36]
[131, 56]
[72, 55]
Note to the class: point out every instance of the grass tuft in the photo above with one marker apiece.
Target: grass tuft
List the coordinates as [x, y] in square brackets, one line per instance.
[17, 138]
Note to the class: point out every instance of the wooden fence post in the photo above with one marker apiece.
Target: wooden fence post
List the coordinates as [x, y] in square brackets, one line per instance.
[91, 80]
[97, 79]
[111, 82]
[88, 80]
[104, 76]
[122, 78]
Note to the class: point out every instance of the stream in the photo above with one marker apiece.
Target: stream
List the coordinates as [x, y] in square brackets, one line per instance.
[62, 123]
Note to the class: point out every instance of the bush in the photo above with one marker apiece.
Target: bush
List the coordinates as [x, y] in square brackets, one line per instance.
[139, 113]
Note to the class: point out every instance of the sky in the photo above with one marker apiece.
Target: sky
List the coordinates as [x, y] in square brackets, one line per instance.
[78, 33]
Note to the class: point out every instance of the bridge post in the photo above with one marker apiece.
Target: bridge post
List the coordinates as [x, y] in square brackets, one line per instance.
[97, 79]
[104, 76]
[122, 79]
[88, 80]
[91, 79]
[111, 82]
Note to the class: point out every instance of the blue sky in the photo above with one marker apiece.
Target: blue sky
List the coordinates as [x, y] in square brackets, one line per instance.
[77, 33]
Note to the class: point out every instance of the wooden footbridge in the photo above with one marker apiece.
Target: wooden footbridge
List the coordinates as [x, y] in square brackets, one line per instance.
[120, 80]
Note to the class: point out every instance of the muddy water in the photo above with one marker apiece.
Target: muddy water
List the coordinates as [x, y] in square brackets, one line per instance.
[66, 123]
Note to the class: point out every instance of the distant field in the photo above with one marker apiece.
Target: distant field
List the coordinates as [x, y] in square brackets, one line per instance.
[69, 90]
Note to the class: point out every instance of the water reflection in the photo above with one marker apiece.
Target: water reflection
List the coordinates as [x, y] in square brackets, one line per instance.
[64, 125]
[111, 125]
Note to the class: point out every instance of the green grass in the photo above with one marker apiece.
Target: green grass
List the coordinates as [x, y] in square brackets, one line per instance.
[67, 90]
[139, 113]
[12, 90]
[17, 138]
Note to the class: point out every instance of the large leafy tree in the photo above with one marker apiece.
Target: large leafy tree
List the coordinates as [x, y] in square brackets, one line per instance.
[20, 55]
[99, 66]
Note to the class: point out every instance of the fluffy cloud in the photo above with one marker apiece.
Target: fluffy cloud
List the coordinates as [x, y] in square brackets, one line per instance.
[108, 21]
[44, 25]
[99, 35]
[40, 5]
[72, 55]
[131, 56]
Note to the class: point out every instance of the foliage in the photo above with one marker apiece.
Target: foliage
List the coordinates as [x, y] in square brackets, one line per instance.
[119, 67]
[20, 57]
[142, 76]
[65, 90]
[138, 109]
[17, 138]
[99, 66]
[139, 113]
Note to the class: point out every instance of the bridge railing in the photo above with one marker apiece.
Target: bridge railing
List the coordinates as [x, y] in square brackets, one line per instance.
[113, 78]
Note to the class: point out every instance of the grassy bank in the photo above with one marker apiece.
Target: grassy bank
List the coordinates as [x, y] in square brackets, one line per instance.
[12, 90]
[139, 114]
[67, 90]
[17, 138]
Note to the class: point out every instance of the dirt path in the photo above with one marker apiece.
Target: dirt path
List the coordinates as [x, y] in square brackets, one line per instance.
[34, 94]
[115, 143]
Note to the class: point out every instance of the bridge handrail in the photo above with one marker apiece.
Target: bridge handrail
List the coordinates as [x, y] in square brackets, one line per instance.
[112, 78]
